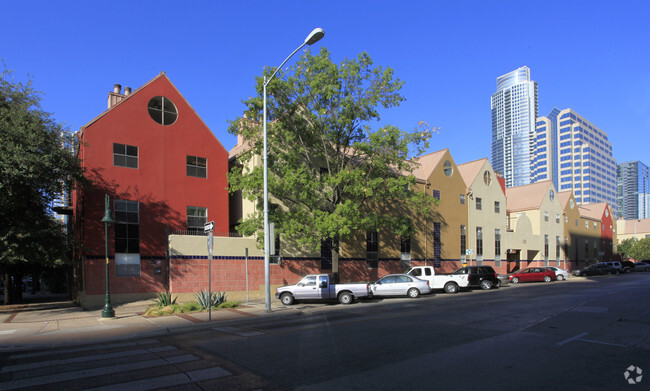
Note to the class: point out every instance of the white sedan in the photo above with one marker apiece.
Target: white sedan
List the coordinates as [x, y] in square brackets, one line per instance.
[400, 285]
[560, 274]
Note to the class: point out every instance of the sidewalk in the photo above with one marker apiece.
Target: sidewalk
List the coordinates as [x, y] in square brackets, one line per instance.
[48, 325]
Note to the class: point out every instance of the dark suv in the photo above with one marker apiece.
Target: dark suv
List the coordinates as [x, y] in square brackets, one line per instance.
[480, 276]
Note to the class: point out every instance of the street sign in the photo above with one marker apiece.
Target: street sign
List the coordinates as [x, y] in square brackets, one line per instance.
[208, 227]
[210, 243]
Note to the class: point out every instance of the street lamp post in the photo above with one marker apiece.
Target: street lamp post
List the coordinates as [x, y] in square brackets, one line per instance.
[312, 38]
[108, 311]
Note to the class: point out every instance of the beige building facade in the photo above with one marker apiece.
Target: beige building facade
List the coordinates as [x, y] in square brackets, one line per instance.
[486, 205]
[535, 205]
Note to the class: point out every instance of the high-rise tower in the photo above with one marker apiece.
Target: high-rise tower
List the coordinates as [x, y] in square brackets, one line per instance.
[576, 155]
[514, 112]
[633, 190]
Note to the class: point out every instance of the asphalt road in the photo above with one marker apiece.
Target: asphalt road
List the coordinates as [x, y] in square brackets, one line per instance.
[580, 335]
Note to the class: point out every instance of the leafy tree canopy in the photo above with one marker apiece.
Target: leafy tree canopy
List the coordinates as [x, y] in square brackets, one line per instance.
[641, 249]
[36, 162]
[328, 168]
[625, 247]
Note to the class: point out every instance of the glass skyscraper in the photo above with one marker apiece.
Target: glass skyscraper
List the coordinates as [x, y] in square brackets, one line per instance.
[575, 155]
[633, 190]
[514, 112]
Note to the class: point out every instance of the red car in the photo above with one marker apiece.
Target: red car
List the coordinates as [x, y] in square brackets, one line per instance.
[532, 274]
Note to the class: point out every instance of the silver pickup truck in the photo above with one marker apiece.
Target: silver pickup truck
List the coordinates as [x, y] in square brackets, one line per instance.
[321, 287]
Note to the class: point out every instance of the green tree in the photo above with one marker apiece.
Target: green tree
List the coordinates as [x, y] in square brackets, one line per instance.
[36, 163]
[641, 249]
[328, 168]
[624, 248]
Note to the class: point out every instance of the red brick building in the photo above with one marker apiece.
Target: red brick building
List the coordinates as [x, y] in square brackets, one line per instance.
[164, 171]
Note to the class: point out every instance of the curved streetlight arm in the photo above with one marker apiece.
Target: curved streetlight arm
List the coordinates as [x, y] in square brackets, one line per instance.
[316, 35]
[267, 81]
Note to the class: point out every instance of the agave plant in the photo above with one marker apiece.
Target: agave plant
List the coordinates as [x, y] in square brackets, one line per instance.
[209, 299]
[165, 299]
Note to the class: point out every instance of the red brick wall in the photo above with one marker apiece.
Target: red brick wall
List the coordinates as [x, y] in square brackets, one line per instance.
[147, 282]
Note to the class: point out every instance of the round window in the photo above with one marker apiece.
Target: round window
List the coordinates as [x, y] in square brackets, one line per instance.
[487, 178]
[448, 168]
[162, 110]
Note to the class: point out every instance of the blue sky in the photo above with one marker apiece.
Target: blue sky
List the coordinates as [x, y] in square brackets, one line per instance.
[591, 56]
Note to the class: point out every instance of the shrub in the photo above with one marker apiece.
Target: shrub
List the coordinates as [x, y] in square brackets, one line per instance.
[209, 299]
[164, 299]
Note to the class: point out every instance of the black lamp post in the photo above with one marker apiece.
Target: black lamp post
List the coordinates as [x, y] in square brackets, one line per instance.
[108, 311]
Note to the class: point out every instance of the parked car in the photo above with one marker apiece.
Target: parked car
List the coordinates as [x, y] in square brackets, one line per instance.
[451, 283]
[614, 264]
[480, 276]
[597, 269]
[321, 287]
[628, 266]
[503, 280]
[642, 266]
[400, 285]
[560, 274]
[531, 274]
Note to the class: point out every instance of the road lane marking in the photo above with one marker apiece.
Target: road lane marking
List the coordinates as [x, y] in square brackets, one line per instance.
[167, 381]
[86, 373]
[602, 342]
[83, 349]
[238, 331]
[76, 360]
[571, 339]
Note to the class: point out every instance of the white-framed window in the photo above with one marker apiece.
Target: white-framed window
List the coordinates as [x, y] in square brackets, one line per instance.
[197, 166]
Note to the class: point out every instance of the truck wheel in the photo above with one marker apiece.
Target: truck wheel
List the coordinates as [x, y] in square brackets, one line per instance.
[286, 298]
[345, 298]
[486, 284]
[451, 287]
[413, 293]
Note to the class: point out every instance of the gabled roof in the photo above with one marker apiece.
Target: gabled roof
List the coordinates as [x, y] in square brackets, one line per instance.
[424, 165]
[564, 198]
[526, 197]
[161, 74]
[135, 92]
[469, 171]
[593, 211]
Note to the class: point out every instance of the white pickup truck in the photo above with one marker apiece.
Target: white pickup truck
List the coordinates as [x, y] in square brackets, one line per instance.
[451, 283]
[320, 287]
